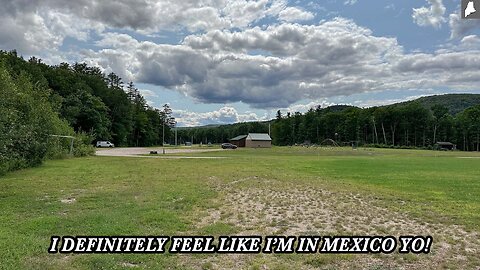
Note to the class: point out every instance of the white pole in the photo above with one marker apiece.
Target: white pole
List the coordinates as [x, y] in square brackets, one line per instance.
[163, 138]
[175, 136]
[71, 146]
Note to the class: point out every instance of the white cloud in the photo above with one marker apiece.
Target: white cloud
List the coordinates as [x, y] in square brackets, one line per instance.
[152, 16]
[65, 25]
[41, 32]
[350, 2]
[290, 62]
[294, 14]
[242, 13]
[147, 93]
[266, 67]
[118, 60]
[27, 34]
[40, 28]
[323, 103]
[224, 115]
[460, 27]
[430, 16]
[390, 6]
[471, 42]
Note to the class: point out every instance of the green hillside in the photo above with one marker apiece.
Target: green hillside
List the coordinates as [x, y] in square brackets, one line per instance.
[454, 102]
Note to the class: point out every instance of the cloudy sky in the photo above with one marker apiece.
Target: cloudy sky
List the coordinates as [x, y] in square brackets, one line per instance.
[219, 61]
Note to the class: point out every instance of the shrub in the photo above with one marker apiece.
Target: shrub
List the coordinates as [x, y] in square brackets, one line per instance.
[26, 122]
[82, 145]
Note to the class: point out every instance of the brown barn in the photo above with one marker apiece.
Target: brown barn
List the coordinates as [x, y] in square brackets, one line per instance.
[239, 141]
[258, 140]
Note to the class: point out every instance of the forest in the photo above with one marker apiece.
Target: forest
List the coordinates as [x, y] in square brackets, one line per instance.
[39, 102]
[421, 123]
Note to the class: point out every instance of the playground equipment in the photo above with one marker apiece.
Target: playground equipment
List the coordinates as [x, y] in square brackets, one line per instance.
[329, 142]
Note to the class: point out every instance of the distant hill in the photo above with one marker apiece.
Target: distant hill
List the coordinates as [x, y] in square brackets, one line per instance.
[409, 124]
[454, 102]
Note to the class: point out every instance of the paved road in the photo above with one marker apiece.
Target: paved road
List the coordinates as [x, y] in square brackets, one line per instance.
[139, 151]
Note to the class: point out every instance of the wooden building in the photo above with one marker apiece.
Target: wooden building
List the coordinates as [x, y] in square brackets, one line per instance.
[258, 140]
[239, 141]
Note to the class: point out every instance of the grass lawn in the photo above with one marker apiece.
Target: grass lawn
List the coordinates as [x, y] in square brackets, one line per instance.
[286, 191]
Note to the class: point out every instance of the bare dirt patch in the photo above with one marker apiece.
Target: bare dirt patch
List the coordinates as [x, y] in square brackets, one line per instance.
[68, 200]
[129, 265]
[266, 207]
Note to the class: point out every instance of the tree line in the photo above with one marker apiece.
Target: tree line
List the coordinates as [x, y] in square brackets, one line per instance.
[40, 100]
[409, 125]
[219, 133]
[404, 125]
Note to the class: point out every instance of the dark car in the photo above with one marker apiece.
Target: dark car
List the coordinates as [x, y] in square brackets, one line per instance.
[228, 146]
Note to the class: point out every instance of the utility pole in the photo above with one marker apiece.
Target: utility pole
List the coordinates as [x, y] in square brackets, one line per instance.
[163, 137]
[167, 120]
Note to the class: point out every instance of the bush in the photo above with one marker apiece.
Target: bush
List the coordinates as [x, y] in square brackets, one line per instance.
[84, 150]
[82, 145]
[26, 122]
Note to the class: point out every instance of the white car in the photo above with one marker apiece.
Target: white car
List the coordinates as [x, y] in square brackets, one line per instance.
[105, 144]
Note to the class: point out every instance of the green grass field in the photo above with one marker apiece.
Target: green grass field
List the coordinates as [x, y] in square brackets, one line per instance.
[282, 191]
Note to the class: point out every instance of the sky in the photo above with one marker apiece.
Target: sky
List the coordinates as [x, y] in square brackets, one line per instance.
[219, 61]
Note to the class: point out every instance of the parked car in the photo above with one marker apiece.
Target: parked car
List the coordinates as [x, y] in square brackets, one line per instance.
[105, 144]
[228, 146]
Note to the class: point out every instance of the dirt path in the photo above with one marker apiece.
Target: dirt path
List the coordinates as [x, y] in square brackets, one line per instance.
[140, 151]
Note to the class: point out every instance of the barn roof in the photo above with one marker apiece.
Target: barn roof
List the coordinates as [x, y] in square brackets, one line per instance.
[259, 137]
[238, 138]
[445, 143]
